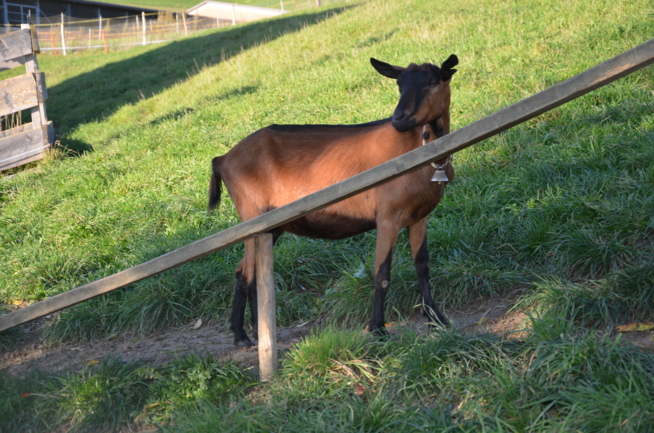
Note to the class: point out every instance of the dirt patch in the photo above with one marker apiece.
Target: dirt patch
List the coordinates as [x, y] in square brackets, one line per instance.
[492, 315]
[643, 339]
[489, 315]
[158, 349]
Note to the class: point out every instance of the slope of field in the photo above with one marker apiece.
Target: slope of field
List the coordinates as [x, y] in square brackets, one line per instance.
[558, 209]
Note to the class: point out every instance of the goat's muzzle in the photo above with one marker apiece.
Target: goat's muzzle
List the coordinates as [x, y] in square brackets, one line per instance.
[403, 123]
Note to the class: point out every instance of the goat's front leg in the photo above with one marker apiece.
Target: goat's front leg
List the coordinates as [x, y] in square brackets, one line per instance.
[387, 232]
[418, 242]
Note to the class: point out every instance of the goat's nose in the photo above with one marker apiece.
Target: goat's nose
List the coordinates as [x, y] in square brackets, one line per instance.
[399, 116]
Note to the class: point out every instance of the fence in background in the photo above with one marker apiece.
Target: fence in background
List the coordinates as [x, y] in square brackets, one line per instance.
[62, 34]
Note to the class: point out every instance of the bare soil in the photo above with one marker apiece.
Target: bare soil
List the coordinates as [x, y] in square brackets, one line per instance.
[480, 316]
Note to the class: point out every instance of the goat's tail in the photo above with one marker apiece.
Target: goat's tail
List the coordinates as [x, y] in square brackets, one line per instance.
[214, 184]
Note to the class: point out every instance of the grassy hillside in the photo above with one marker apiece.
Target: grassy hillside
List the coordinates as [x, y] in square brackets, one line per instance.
[562, 201]
[559, 208]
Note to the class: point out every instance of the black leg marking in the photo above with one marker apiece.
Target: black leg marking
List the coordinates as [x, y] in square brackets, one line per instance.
[236, 319]
[422, 270]
[382, 282]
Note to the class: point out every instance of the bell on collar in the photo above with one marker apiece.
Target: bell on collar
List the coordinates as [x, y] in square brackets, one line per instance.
[439, 176]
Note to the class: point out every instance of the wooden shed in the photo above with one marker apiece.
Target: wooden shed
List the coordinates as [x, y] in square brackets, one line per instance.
[232, 13]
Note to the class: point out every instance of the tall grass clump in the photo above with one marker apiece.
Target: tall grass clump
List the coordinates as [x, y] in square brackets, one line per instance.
[110, 395]
[104, 397]
[624, 296]
[181, 385]
[549, 381]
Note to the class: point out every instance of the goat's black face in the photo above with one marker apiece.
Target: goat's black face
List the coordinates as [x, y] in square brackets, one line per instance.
[424, 91]
[414, 84]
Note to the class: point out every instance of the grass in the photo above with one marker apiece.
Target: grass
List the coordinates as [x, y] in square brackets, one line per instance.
[110, 395]
[561, 377]
[559, 208]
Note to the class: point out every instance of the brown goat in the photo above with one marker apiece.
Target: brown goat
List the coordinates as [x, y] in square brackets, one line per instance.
[283, 163]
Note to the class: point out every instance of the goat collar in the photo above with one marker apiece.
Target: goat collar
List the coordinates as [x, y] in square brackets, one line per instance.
[433, 164]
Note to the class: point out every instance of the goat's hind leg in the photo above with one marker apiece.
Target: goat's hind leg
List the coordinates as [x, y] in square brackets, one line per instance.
[245, 292]
[418, 241]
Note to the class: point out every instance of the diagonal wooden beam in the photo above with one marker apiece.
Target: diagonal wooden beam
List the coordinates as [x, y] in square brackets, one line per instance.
[598, 76]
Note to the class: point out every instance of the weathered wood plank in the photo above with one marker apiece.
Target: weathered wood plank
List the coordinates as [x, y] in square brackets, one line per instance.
[18, 93]
[41, 89]
[22, 128]
[15, 44]
[11, 64]
[23, 147]
[35, 40]
[266, 311]
[39, 114]
[600, 75]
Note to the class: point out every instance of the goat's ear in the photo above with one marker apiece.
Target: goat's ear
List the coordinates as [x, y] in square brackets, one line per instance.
[385, 69]
[447, 67]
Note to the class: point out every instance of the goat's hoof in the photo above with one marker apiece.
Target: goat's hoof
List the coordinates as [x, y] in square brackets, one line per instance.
[437, 324]
[381, 333]
[436, 319]
[243, 342]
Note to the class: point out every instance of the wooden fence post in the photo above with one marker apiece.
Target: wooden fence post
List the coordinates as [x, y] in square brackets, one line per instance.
[63, 35]
[38, 113]
[143, 27]
[266, 306]
[104, 41]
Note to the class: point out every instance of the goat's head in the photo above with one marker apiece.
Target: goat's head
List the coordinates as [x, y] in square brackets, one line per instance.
[424, 91]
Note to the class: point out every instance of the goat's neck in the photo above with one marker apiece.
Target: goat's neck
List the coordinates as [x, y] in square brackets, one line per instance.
[431, 131]
[438, 127]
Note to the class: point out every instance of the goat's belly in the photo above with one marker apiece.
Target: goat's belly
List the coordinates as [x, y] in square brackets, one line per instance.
[321, 225]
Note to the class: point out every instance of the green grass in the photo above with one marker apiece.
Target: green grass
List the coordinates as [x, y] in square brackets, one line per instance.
[111, 395]
[559, 208]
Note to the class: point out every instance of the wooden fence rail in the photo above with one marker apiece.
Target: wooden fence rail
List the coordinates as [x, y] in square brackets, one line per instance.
[22, 143]
[600, 75]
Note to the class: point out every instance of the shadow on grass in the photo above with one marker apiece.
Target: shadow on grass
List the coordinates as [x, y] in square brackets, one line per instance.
[95, 95]
[72, 147]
